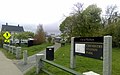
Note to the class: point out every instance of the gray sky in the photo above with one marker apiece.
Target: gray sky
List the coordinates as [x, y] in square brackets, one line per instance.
[50, 13]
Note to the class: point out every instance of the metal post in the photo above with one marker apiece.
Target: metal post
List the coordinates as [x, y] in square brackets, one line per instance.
[25, 57]
[39, 63]
[107, 55]
[72, 55]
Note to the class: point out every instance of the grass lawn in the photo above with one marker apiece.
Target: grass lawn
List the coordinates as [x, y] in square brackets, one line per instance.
[83, 64]
[37, 48]
[8, 54]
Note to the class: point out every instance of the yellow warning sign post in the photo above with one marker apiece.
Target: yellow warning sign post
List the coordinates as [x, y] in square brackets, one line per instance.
[8, 41]
[7, 35]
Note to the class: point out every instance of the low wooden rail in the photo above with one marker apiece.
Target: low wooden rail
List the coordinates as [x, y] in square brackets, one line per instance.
[13, 50]
[40, 60]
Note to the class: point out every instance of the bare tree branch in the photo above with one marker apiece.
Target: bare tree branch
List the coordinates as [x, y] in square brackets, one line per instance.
[78, 8]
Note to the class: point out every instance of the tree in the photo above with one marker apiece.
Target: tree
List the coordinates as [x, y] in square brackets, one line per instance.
[29, 34]
[83, 22]
[19, 36]
[49, 39]
[111, 25]
[111, 13]
[116, 38]
[92, 19]
[78, 8]
[67, 27]
[40, 35]
[23, 35]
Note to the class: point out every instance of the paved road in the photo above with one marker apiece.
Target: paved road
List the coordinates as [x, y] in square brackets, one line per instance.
[7, 67]
[31, 60]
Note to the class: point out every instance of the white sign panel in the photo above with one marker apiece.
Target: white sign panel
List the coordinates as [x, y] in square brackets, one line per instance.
[80, 48]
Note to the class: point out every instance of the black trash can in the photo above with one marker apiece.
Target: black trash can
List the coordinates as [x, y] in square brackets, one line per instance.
[30, 43]
[50, 53]
[62, 44]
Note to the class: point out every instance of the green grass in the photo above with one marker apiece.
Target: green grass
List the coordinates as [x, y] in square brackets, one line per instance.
[8, 54]
[36, 48]
[83, 64]
[33, 72]
[116, 61]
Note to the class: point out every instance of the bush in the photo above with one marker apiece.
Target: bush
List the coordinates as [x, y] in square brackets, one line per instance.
[49, 39]
[40, 35]
[1, 41]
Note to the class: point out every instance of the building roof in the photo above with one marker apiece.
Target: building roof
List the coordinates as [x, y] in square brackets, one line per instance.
[12, 28]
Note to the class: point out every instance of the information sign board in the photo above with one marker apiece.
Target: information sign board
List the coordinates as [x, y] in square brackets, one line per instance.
[89, 47]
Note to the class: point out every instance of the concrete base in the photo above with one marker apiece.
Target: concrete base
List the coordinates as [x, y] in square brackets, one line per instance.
[90, 73]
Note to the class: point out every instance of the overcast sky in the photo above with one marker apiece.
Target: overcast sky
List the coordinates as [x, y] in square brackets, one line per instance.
[50, 13]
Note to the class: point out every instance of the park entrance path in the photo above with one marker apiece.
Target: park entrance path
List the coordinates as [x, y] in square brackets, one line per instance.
[7, 67]
[31, 60]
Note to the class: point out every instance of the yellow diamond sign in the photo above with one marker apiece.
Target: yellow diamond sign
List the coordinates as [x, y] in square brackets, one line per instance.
[7, 35]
